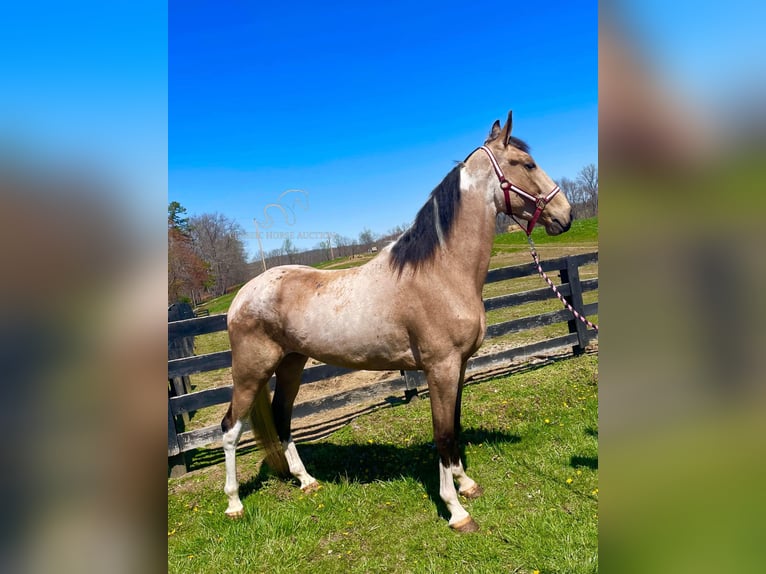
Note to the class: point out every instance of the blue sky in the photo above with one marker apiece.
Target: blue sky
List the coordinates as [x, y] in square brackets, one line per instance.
[365, 107]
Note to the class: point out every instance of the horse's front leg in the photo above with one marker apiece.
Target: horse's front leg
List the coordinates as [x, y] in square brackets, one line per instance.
[467, 486]
[445, 387]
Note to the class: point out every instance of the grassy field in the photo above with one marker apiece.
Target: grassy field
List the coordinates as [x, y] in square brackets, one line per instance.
[220, 304]
[582, 231]
[529, 439]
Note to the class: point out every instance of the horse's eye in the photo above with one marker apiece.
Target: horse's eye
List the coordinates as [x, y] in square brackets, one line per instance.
[530, 166]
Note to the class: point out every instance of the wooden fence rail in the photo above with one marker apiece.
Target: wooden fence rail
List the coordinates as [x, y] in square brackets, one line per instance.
[577, 338]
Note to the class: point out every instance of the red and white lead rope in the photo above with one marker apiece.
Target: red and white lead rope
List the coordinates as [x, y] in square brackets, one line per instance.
[552, 286]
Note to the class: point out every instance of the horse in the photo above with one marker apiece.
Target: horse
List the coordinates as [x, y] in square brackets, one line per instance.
[416, 306]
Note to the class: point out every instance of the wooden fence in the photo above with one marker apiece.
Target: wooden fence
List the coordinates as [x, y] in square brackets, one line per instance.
[579, 336]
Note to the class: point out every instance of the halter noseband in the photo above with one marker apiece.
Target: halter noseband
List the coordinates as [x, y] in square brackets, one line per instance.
[541, 201]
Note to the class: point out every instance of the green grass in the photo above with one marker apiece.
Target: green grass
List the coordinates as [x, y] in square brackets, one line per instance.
[220, 304]
[582, 231]
[530, 440]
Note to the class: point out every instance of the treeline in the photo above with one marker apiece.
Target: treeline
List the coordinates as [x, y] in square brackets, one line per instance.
[582, 192]
[206, 255]
[335, 246]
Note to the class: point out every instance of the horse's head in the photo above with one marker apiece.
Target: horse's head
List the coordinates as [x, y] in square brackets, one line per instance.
[528, 192]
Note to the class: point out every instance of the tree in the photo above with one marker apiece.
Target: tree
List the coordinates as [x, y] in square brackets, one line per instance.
[587, 181]
[217, 242]
[326, 247]
[366, 237]
[573, 193]
[582, 193]
[188, 274]
[289, 249]
[344, 245]
[397, 230]
[176, 219]
[570, 189]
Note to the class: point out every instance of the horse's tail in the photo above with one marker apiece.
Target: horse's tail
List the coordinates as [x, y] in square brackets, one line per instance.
[265, 432]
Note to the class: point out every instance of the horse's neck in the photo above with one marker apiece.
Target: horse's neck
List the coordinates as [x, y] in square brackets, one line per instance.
[469, 246]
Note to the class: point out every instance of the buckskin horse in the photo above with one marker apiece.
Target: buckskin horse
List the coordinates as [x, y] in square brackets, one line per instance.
[416, 306]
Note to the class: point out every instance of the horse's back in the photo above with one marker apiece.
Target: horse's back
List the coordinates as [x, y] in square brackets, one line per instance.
[348, 317]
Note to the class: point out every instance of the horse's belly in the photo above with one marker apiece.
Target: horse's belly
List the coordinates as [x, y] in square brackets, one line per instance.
[353, 341]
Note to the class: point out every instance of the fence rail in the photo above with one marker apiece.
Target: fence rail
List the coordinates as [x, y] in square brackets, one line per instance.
[577, 338]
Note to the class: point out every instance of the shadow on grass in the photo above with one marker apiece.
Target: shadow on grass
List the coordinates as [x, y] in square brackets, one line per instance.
[367, 463]
[590, 462]
[199, 458]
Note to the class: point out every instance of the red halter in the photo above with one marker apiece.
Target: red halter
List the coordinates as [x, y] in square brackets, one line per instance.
[540, 201]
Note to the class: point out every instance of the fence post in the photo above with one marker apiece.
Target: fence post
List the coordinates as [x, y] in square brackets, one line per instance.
[177, 349]
[412, 379]
[176, 458]
[571, 274]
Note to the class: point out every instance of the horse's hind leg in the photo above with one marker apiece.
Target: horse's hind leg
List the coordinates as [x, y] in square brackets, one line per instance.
[288, 382]
[232, 431]
[250, 372]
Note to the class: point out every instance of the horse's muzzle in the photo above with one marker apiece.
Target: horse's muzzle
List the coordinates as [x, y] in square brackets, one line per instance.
[557, 227]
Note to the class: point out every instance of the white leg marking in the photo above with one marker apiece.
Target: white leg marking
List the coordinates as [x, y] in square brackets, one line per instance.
[231, 488]
[465, 483]
[295, 464]
[449, 494]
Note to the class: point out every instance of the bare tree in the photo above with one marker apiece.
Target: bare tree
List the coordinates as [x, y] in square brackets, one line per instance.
[345, 245]
[397, 230]
[289, 249]
[275, 257]
[366, 238]
[217, 241]
[573, 193]
[587, 181]
[570, 189]
[326, 248]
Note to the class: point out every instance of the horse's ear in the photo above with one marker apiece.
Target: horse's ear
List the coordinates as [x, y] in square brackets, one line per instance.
[507, 128]
[494, 132]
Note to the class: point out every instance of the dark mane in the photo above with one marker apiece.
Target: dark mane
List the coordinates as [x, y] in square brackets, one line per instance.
[519, 144]
[418, 244]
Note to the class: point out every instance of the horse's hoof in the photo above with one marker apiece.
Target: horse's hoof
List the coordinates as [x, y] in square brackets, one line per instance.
[309, 488]
[474, 492]
[468, 524]
[235, 514]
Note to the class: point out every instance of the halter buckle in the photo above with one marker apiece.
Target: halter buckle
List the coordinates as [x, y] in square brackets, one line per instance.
[541, 203]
